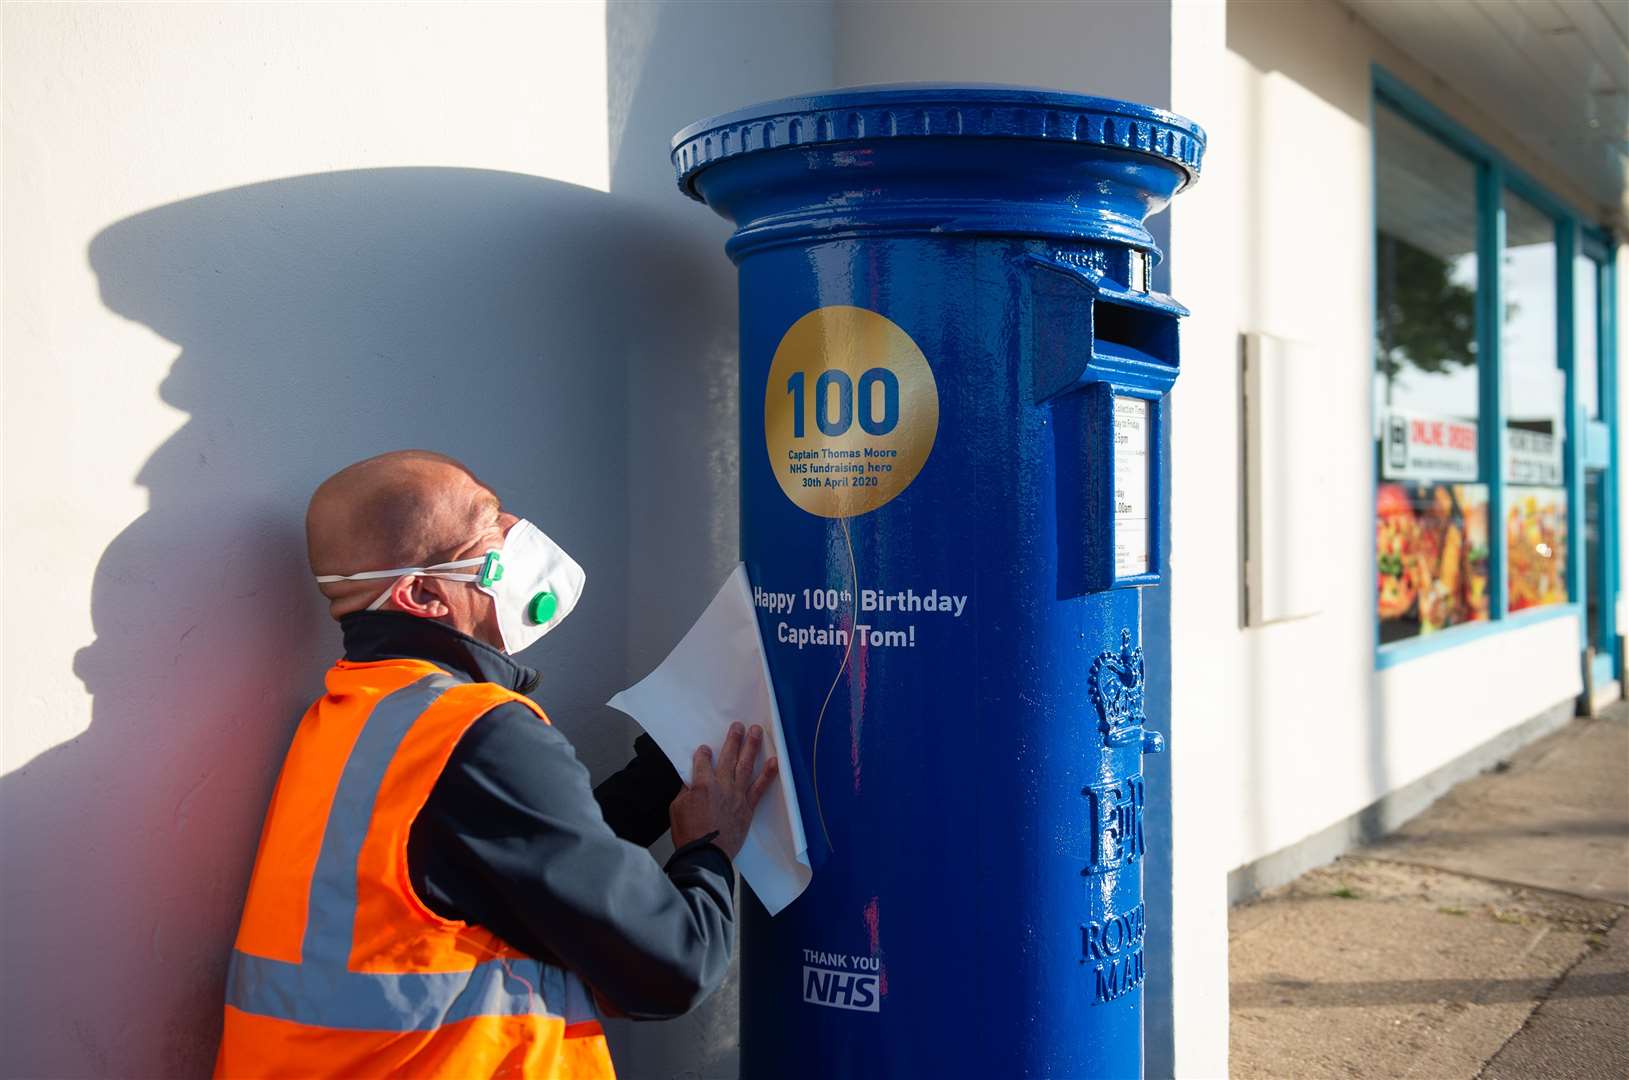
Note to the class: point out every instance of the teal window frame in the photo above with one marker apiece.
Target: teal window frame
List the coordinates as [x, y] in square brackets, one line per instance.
[1495, 176]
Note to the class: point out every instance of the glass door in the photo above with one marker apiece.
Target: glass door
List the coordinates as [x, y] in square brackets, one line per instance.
[1596, 608]
[1594, 391]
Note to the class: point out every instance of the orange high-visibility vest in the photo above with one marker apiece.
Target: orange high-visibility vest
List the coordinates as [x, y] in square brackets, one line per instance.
[340, 969]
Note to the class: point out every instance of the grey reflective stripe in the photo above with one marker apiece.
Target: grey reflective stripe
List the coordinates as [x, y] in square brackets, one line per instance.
[321, 996]
[321, 990]
[331, 914]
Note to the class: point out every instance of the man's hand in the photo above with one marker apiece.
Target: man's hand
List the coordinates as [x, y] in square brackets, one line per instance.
[721, 798]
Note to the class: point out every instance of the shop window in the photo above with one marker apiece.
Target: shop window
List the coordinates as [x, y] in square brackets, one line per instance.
[1535, 396]
[1431, 520]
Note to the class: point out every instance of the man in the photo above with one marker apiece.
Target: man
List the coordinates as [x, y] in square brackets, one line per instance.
[438, 892]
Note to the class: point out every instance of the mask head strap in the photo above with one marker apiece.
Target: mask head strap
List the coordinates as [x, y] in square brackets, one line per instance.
[491, 570]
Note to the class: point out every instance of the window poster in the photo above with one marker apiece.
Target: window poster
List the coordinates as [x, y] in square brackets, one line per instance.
[1532, 457]
[1423, 447]
[1536, 532]
[1431, 554]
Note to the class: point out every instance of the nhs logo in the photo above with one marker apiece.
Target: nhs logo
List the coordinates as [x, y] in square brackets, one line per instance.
[840, 989]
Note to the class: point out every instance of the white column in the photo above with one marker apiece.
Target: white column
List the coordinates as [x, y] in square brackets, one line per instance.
[1205, 560]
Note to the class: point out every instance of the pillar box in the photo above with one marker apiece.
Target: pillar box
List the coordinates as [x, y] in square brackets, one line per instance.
[953, 377]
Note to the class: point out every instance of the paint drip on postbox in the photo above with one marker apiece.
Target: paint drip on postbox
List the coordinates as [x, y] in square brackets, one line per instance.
[953, 383]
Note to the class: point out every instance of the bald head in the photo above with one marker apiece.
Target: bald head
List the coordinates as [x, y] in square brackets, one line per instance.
[405, 508]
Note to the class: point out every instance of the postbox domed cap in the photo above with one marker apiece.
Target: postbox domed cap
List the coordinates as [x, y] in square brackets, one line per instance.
[934, 110]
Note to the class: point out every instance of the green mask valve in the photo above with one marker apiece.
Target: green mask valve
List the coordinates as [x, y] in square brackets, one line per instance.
[543, 607]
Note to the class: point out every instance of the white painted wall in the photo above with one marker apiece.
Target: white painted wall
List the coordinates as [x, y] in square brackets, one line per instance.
[245, 245]
[1115, 48]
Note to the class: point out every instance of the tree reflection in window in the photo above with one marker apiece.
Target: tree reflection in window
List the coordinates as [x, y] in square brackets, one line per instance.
[1424, 319]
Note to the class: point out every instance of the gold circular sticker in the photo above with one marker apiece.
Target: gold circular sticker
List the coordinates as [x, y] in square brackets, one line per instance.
[850, 412]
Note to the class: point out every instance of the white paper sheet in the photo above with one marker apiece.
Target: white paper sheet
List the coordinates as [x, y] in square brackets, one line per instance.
[717, 675]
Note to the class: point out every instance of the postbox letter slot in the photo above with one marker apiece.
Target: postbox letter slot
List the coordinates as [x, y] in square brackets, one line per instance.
[1133, 333]
[1088, 327]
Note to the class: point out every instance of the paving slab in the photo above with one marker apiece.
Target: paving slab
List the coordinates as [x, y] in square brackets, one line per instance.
[1367, 968]
[1582, 1028]
[1555, 816]
[1488, 938]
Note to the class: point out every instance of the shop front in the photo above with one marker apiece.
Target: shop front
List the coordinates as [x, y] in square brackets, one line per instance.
[1493, 411]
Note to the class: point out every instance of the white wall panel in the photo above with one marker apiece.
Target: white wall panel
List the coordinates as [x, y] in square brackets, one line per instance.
[1286, 480]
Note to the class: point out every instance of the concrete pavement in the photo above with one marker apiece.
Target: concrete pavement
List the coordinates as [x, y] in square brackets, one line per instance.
[1486, 938]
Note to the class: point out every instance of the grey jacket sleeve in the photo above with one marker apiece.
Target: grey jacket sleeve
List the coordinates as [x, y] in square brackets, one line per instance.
[512, 838]
[635, 800]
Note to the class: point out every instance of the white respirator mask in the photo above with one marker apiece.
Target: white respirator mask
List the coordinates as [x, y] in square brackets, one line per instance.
[533, 582]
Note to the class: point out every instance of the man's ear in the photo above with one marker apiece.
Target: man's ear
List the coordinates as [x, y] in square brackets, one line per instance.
[420, 596]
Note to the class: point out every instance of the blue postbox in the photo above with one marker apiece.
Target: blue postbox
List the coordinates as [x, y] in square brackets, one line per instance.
[953, 377]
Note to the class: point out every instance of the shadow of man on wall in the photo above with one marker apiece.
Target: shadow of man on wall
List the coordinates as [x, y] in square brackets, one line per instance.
[321, 319]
